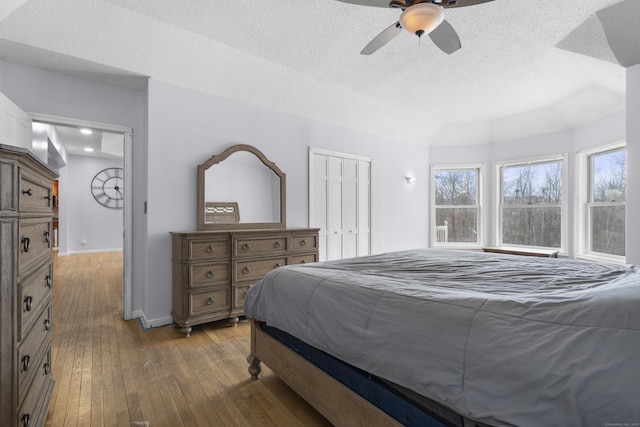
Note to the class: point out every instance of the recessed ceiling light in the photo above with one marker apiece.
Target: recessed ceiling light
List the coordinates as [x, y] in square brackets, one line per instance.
[89, 150]
[86, 131]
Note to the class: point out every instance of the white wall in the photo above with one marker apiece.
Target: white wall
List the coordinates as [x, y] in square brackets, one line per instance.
[608, 130]
[90, 227]
[187, 127]
[633, 164]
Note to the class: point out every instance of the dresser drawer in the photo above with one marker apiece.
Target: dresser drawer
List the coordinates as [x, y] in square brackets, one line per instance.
[304, 243]
[239, 295]
[35, 241]
[33, 409]
[260, 246]
[31, 347]
[254, 270]
[209, 302]
[34, 292]
[210, 274]
[35, 193]
[208, 249]
[304, 258]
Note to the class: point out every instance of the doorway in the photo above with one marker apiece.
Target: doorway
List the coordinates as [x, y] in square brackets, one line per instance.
[125, 188]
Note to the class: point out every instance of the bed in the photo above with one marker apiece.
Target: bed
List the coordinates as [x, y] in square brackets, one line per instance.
[494, 339]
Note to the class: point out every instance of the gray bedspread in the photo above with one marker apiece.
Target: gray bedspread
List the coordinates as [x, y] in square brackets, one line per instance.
[501, 339]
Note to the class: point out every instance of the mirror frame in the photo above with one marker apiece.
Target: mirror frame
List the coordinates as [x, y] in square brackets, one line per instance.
[202, 168]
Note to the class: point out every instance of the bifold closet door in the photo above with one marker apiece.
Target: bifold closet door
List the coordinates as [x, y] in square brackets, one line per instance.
[341, 205]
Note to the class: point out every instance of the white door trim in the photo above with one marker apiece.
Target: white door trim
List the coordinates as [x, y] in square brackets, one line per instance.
[127, 243]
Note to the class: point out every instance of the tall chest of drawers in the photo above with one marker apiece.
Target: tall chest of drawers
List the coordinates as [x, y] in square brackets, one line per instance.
[26, 282]
[213, 270]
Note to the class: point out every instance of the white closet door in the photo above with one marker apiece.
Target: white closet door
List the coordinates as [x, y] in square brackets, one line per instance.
[320, 218]
[15, 124]
[335, 205]
[340, 204]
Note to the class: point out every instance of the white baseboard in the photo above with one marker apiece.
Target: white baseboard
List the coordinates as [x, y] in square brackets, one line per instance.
[92, 251]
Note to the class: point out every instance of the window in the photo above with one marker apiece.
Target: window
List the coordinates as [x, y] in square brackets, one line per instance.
[606, 200]
[532, 203]
[456, 206]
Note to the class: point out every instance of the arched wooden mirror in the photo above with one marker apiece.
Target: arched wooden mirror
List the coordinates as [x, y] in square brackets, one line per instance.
[241, 189]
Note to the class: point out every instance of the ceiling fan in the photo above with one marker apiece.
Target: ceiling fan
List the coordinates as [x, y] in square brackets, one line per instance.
[418, 17]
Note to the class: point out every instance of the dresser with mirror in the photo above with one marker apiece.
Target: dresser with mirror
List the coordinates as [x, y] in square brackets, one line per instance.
[241, 236]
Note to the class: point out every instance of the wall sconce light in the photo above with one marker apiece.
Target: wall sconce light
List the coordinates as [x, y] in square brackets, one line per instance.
[410, 179]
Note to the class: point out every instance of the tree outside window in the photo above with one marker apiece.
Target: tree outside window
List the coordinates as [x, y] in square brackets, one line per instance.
[532, 204]
[607, 202]
[457, 208]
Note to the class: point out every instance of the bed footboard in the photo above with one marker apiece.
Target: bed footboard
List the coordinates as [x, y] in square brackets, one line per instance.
[333, 400]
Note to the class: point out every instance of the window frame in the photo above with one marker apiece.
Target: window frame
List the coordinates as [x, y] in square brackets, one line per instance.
[564, 206]
[478, 206]
[584, 190]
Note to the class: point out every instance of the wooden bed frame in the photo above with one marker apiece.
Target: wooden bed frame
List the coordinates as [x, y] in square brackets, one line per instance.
[336, 402]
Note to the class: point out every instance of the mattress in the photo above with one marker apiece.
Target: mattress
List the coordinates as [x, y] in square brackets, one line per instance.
[500, 339]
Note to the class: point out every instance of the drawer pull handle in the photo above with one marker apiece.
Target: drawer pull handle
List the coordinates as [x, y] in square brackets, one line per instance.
[26, 243]
[28, 192]
[209, 249]
[28, 303]
[25, 420]
[245, 247]
[303, 242]
[210, 274]
[48, 281]
[25, 362]
[276, 245]
[46, 368]
[246, 270]
[210, 301]
[47, 324]
[48, 198]
[47, 237]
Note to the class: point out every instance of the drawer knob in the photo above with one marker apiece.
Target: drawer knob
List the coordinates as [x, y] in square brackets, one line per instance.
[245, 247]
[210, 274]
[278, 265]
[48, 281]
[28, 303]
[210, 301]
[209, 249]
[25, 362]
[47, 237]
[47, 324]
[26, 243]
[276, 245]
[25, 420]
[46, 369]
[28, 192]
[303, 242]
[303, 261]
[246, 270]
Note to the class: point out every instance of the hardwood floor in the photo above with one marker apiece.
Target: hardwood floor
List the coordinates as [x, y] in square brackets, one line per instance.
[111, 372]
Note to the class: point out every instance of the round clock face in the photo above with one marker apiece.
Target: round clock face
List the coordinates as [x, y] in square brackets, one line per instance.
[107, 187]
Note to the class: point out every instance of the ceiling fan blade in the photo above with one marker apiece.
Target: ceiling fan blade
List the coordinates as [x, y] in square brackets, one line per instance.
[382, 39]
[374, 3]
[446, 38]
[452, 3]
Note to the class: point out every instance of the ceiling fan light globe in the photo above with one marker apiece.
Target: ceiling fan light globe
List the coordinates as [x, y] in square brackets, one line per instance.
[421, 18]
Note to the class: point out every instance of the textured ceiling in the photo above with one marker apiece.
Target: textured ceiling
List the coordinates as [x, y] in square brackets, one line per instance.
[526, 67]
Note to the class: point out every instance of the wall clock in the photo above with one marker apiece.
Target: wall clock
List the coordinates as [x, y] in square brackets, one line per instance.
[107, 187]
